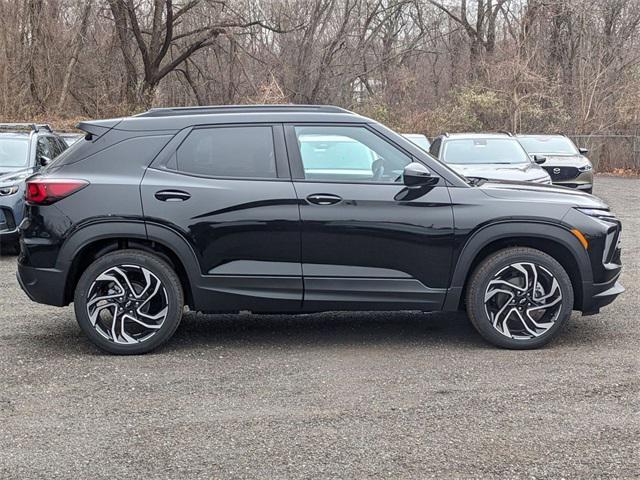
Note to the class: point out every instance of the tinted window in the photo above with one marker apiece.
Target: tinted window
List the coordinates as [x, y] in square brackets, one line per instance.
[483, 150]
[13, 152]
[46, 148]
[348, 154]
[435, 148]
[548, 145]
[245, 152]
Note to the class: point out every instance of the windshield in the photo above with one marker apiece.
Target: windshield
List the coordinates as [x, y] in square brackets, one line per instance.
[548, 145]
[472, 151]
[14, 153]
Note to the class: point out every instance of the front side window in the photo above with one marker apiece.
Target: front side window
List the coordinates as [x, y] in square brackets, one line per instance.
[469, 151]
[348, 154]
[14, 153]
[244, 152]
[548, 145]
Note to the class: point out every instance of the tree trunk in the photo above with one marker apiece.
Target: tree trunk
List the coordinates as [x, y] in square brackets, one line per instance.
[84, 23]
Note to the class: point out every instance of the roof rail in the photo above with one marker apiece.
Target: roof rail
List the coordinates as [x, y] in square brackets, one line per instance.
[506, 132]
[203, 110]
[34, 127]
[446, 134]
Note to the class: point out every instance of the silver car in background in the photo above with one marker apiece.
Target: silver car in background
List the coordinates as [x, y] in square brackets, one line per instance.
[494, 156]
[418, 139]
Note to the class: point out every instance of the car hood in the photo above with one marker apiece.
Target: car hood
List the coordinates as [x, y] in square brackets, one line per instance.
[516, 171]
[565, 161]
[537, 193]
[16, 176]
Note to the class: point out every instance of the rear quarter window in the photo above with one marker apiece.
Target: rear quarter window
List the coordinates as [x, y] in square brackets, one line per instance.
[240, 152]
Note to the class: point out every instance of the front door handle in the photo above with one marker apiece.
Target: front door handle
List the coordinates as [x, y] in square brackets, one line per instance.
[324, 199]
[172, 196]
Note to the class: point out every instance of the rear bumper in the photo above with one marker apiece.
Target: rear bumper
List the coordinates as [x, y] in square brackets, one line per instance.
[42, 285]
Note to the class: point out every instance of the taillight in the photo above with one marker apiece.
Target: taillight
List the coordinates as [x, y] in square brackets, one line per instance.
[43, 191]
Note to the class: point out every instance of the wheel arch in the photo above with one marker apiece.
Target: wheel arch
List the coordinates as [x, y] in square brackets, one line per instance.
[93, 241]
[555, 240]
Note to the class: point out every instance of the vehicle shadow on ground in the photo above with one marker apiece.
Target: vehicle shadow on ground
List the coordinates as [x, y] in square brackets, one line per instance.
[331, 329]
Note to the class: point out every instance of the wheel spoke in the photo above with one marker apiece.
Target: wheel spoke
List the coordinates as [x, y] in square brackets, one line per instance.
[523, 300]
[130, 319]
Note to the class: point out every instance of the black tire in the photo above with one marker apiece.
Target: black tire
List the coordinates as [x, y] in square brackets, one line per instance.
[158, 267]
[492, 266]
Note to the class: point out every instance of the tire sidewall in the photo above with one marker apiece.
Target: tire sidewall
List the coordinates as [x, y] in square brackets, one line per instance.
[159, 268]
[487, 270]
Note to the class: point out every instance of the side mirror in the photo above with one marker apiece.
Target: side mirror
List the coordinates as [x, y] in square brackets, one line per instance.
[416, 175]
[539, 159]
[44, 161]
[583, 151]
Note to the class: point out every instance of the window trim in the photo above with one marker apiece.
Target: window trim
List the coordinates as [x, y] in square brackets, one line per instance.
[295, 158]
[282, 165]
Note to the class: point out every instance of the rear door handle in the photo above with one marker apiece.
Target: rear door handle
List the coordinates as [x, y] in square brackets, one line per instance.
[172, 196]
[324, 199]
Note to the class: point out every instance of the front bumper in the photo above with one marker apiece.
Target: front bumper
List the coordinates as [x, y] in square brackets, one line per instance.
[599, 295]
[42, 285]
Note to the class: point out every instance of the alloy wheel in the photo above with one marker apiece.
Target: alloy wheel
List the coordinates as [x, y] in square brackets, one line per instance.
[127, 304]
[523, 300]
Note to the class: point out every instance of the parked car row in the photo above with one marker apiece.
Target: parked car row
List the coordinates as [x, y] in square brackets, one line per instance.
[502, 156]
[289, 208]
[24, 149]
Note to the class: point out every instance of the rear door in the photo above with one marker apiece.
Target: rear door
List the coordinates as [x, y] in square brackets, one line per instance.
[227, 190]
[368, 242]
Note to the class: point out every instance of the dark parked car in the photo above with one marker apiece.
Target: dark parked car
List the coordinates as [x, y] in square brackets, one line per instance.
[495, 156]
[566, 164]
[24, 148]
[300, 209]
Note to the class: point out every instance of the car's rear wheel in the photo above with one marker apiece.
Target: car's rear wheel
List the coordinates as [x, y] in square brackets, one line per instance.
[129, 302]
[519, 298]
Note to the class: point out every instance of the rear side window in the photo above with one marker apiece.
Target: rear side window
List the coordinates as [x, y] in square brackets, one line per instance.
[244, 152]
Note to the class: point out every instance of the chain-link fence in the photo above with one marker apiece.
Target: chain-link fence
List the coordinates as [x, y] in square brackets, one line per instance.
[611, 152]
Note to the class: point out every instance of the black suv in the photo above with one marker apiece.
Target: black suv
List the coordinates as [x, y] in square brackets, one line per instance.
[300, 209]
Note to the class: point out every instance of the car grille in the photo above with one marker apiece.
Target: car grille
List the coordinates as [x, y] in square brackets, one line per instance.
[562, 173]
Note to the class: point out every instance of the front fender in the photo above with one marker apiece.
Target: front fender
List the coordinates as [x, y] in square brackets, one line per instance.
[488, 234]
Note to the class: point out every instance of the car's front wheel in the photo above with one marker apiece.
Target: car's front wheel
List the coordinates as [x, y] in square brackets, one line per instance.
[519, 298]
[129, 302]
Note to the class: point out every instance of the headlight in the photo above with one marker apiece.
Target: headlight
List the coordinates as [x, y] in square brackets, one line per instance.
[6, 191]
[586, 168]
[597, 212]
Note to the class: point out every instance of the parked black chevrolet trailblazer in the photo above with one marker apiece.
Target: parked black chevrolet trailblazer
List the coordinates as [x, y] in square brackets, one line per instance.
[300, 209]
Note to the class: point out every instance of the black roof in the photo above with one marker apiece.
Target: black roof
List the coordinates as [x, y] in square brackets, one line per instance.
[177, 118]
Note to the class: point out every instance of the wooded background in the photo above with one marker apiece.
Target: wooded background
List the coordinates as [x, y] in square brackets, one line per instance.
[569, 66]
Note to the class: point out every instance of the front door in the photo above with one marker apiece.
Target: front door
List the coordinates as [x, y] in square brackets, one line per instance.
[227, 191]
[367, 240]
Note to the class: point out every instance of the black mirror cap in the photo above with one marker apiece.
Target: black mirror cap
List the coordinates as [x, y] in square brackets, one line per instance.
[539, 159]
[44, 161]
[416, 175]
[583, 151]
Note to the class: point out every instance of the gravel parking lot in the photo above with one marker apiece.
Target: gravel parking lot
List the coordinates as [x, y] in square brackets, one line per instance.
[401, 395]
